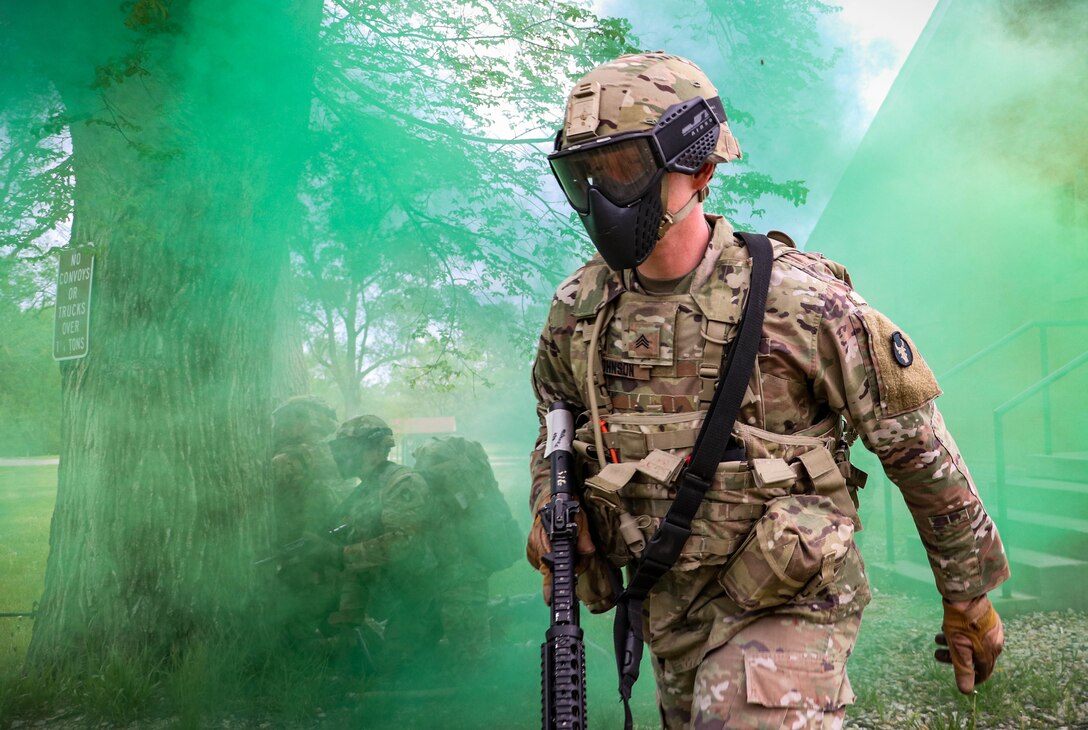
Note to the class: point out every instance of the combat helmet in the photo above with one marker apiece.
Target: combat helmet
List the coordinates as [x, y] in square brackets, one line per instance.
[302, 418]
[630, 93]
[628, 124]
[366, 429]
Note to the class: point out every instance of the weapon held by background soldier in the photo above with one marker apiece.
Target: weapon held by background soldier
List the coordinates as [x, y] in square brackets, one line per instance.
[299, 549]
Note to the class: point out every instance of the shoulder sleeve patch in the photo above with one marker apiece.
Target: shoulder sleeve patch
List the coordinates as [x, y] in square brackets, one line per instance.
[904, 379]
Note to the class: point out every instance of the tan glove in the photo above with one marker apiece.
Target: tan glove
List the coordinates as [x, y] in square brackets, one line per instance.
[539, 545]
[973, 633]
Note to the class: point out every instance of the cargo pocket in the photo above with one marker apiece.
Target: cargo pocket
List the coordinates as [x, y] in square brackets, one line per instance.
[797, 681]
[955, 550]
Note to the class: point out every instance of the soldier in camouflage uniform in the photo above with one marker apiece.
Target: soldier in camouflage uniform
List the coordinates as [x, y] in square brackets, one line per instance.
[306, 487]
[753, 625]
[390, 564]
[306, 482]
[475, 537]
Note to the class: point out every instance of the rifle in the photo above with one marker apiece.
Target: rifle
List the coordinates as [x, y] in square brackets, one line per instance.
[563, 653]
[286, 551]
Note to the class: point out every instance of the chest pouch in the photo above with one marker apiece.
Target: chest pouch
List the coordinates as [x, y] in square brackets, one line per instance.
[603, 491]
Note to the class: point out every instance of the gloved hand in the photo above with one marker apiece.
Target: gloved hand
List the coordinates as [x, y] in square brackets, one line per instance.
[539, 545]
[973, 633]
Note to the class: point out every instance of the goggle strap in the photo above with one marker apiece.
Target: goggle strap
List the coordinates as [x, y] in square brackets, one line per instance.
[671, 219]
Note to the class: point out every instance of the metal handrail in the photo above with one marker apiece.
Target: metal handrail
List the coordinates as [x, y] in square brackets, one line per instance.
[999, 431]
[1004, 408]
[1044, 362]
[1007, 339]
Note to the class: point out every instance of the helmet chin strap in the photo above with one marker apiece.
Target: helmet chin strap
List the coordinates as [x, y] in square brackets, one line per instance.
[671, 219]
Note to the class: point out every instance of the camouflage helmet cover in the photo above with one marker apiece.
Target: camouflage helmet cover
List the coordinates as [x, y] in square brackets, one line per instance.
[302, 418]
[631, 93]
[367, 428]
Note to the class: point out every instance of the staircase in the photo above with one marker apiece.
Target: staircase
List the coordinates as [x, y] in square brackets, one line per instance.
[1040, 502]
[1045, 533]
[1045, 529]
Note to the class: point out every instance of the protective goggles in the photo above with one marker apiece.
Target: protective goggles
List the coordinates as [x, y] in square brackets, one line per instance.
[625, 167]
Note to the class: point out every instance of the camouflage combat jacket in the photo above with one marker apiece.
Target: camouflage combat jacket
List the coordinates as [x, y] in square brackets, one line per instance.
[305, 489]
[388, 520]
[829, 366]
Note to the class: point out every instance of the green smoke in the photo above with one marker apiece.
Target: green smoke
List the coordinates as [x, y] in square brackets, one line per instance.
[350, 199]
[962, 217]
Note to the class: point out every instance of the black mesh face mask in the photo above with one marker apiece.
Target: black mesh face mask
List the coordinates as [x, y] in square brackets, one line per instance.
[614, 183]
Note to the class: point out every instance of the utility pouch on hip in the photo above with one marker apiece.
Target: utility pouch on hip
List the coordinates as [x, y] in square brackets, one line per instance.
[602, 491]
[828, 480]
[797, 546]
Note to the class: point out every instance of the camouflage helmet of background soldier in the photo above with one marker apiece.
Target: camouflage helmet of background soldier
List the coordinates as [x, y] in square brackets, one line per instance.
[302, 419]
[367, 430]
[356, 435]
[617, 184]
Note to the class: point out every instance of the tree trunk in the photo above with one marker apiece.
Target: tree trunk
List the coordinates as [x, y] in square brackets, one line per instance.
[186, 166]
[289, 375]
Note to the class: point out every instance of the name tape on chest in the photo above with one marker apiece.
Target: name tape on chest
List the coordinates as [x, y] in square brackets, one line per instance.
[620, 369]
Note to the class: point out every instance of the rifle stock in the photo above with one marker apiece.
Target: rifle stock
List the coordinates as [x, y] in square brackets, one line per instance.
[563, 661]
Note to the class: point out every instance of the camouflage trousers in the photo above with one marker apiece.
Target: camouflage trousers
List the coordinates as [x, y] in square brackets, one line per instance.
[778, 672]
[464, 612]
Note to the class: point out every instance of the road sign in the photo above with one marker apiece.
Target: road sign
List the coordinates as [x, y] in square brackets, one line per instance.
[72, 320]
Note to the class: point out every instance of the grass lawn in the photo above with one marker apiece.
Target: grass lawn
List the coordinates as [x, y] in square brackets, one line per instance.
[1041, 682]
[27, 495]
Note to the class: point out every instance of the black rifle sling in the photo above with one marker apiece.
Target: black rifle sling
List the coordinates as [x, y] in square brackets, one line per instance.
[711, 448]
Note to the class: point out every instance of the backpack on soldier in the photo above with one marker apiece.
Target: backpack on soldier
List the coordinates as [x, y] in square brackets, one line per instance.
[459, 470]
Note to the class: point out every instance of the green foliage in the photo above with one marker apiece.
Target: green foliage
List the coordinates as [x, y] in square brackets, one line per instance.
[29, 382]
[426, 196]
[425, 188]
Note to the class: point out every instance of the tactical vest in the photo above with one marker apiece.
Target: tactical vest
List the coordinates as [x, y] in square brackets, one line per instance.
[647, 366]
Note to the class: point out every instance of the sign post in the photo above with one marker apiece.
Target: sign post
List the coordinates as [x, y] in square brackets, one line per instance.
[72, 319]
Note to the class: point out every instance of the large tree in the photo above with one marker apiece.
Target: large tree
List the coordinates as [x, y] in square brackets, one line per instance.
[185, 120]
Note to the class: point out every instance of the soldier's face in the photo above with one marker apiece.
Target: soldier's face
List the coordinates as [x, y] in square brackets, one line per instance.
[371, 458]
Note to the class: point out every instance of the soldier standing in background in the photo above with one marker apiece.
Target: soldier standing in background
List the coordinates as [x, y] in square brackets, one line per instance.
[477, 536]
[743, 633]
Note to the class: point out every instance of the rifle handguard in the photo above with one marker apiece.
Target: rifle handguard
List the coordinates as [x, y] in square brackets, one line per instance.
[562, 655]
